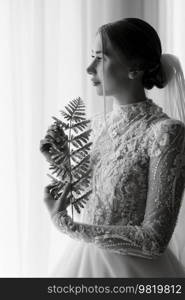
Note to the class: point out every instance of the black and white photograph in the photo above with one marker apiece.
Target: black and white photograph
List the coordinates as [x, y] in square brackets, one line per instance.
[92, 138]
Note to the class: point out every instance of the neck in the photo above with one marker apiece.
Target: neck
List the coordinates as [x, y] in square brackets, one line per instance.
[128, 97]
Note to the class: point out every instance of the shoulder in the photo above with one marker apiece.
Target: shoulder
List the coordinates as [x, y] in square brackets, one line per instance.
[166, 133]
[168, 126]
[160, 121]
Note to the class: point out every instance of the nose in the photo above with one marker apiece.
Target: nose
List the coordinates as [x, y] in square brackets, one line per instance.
[91, 68]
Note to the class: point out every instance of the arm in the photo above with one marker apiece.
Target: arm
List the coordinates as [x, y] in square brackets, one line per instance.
[165, 189]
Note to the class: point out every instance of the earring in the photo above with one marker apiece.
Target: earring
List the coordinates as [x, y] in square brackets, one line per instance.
[132, 74]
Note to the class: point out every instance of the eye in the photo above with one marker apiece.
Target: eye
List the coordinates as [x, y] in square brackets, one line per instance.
[97, 57]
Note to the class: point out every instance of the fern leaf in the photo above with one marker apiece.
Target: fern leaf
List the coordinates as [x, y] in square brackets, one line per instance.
[74, 143]
[70, 157]
[85, 148]
[55, 180]
[79, 202]
[80, 154]
[60, 159]
[72, 106]
[86, 158]
[81, 125]
[76, 130]
[83, 197]
[59, 171]
[73, 109]
[76, 175]
[74, 159]
[66, 115]
[82, 137]
[79, 142]
[77, 208]
[63, 124]
[82, 178]
[78, 118]
[79, 113]
[70, 111]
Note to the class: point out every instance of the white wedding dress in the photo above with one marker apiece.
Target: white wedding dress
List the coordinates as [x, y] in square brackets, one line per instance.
[138, 179]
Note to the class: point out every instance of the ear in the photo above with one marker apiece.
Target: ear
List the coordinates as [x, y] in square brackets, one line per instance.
[134, 74]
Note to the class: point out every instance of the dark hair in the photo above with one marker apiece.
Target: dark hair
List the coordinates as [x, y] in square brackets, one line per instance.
[140, 44]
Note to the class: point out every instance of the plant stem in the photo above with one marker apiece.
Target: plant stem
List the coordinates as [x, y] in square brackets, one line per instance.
[69, 143]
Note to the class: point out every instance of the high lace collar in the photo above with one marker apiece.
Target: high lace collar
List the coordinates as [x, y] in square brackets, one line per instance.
[129, 111]
[124, 115]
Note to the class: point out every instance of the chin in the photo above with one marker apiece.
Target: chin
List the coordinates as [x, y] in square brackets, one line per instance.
[100, 92]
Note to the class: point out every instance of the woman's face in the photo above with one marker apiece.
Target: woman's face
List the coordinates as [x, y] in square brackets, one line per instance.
[116, 79]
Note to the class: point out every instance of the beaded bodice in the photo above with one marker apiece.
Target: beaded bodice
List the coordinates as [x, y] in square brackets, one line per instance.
[138, 177]
[120, 159]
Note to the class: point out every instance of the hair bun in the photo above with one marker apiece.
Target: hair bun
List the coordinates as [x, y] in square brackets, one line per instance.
[154, 77]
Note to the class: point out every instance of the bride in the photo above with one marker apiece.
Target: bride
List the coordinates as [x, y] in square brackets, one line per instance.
[138, 166]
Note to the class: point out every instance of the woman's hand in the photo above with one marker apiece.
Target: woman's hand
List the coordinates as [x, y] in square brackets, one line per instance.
[45, 148]
[54, 139]
[61, 203]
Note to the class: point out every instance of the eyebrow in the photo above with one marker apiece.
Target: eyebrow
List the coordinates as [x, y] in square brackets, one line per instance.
[96, 51]
[99, 52]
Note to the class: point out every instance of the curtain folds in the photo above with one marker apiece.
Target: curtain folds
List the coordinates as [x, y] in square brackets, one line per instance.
[45, 49]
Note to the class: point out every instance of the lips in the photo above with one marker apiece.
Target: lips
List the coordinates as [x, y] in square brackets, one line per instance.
[95, 82]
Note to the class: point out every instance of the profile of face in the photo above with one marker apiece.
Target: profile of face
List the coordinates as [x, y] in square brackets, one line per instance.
[115, 69]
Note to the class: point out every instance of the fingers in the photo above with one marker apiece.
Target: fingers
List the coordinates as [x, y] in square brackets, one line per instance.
[47, 193]
[52, 132]
[45, 145]
[45, 149]
[48, 198]
[64, 201]
[48, 187]
[66, 189]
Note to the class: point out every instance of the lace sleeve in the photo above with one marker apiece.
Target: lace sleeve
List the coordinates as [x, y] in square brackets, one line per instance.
[165, 188]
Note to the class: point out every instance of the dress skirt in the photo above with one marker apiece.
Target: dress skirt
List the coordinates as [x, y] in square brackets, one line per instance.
[86, 260]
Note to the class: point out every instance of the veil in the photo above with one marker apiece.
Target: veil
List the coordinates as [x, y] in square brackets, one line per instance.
[172, 99]
[172, 96]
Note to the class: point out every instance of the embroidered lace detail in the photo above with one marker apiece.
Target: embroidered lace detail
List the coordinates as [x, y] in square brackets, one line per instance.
[138, 178]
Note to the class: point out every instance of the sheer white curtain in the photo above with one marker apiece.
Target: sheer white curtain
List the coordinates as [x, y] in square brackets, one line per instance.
[40, 71]
[44, 51]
